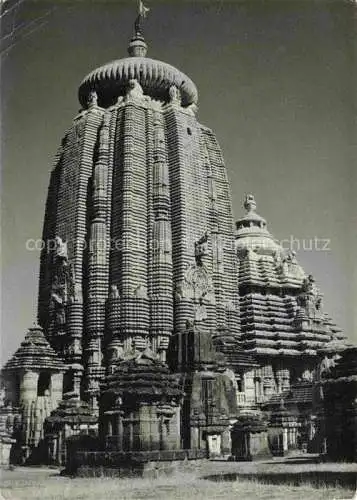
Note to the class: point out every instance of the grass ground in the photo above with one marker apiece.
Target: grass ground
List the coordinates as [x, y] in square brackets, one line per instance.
[47, 484]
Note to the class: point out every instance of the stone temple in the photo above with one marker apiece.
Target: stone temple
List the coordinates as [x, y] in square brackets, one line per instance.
[163, 329]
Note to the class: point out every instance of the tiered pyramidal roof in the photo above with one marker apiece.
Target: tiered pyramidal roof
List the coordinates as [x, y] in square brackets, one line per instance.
[281, 307]
[35, 353]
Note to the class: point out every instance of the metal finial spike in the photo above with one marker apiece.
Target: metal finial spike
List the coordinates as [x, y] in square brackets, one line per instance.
[137, 46]
[142, 13]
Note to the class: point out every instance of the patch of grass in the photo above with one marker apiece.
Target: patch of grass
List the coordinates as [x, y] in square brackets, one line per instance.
[44, 484]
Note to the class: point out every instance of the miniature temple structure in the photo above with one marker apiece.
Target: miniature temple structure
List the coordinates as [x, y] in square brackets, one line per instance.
[141, 405]
[250, 437]
[72, 417]
[162, 328]
[33, 381]
[297, 417]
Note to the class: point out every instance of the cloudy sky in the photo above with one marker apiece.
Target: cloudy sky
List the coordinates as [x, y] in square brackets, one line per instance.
[275, 82]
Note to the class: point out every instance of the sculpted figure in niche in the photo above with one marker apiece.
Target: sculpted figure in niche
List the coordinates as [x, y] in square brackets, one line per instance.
[289, 265]
[310, 298]
[135, 90]
[147, 343]
[58, 297]
[307, 375]
[291, 257]
[277, 258]
[141, 292]
[114, 293]
[308, 285]
[76, 292]
[327, 364]
[92, 99]
[175, 95]
[182, 291]
[201, 311]
[63, 284]
[61, 250]
[201, 249]
[189, 324]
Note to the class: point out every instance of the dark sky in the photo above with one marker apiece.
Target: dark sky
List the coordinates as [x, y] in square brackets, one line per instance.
[275, 82]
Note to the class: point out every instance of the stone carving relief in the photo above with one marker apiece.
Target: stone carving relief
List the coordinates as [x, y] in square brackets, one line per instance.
[63, 288]
[307, 375]
[114, 293]
[135, 90]
[289, 264]
[92, 99]
[201, 249]
[189, 324]
[61, 250]
[75, 348]
[310, 298]
[200, 311]
[141, 292]
[175, 95]
[197, 284]
[327, 364]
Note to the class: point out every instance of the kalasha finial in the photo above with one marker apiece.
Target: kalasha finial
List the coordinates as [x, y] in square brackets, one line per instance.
[249, 203]
[137, 46]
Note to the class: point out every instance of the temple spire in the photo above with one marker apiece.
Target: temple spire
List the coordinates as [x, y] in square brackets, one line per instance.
[137, 46]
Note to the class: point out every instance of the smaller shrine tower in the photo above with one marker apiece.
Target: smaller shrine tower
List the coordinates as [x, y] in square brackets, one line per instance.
[33, 380]
[281, 313]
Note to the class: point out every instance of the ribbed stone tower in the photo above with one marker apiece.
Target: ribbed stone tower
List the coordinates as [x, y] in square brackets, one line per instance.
[138, 220]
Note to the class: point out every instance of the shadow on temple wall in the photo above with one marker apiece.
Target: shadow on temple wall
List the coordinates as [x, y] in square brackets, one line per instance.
[318, 479]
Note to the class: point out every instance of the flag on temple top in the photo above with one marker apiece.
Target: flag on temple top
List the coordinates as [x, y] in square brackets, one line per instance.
[142, 9]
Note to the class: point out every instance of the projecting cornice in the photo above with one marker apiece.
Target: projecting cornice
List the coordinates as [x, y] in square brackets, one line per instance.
[155, 77]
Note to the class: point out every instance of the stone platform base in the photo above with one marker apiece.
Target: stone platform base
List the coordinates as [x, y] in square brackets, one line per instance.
[250, 458]
[133, 464]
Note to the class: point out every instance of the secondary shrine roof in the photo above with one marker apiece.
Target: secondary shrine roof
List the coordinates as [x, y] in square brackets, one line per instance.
[280, 306]
[71, 410]
[299, 393]
[35, 353]
[143, 374]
